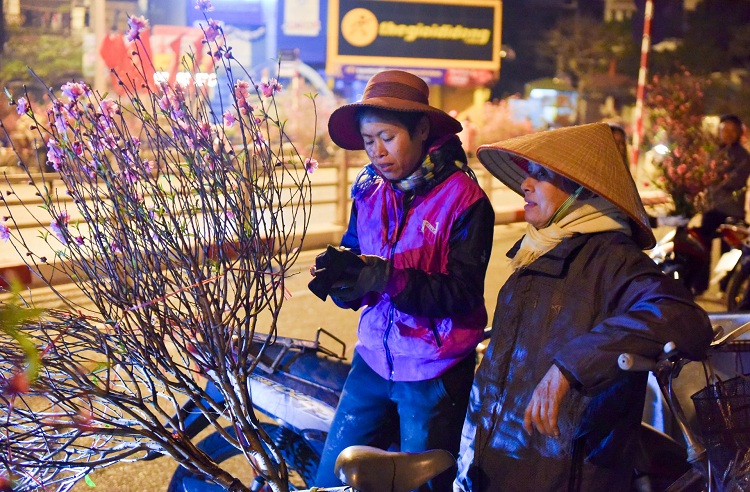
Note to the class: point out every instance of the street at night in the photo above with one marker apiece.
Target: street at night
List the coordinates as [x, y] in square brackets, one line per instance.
[174, 172]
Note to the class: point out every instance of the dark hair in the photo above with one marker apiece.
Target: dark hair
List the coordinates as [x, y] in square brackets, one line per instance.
[618, 128]
[732, 118]
[409, 119]
[569, 186]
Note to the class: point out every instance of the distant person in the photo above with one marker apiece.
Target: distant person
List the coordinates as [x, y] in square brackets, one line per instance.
[468, 133]
[414, 260]
[621, 139]
[726, 199]
[468, 136]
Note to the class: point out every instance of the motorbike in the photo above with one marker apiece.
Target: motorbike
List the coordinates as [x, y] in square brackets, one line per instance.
[708, 400]
[297, 386]
[684, 254]
[736, 263]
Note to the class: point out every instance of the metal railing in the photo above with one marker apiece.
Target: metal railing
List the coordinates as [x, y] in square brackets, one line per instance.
[331, 185]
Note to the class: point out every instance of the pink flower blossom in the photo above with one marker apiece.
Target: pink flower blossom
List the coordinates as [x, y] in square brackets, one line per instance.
[178, 114]
[311, 165]
[23, 106]
[74, 90]
[136, 25]
[212, 31]
[204, 5]
[109, 107]
[242, 94]
[204, 128]
[228, 119]
[4, 233]
[18, 384]
[129, 176]
[60, 225]
[272, 87]
[60, 124]
[164, 103]
[55, 154]
[77, 148]
[90, 168]
[242, 89]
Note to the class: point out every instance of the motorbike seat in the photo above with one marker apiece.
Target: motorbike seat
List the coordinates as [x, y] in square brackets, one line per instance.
[369, 469]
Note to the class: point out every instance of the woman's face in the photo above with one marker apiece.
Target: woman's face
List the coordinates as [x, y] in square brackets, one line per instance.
[543, 194]
[394, 152]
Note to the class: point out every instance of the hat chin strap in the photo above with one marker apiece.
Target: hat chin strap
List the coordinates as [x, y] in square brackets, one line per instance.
[563, 209]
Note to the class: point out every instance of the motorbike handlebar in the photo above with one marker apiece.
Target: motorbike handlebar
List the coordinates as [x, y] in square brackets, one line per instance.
[635, 362]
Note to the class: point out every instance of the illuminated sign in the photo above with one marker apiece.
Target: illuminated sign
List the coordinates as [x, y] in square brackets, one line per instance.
[439, 34]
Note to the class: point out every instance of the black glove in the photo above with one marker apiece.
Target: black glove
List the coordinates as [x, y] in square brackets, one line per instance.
[332, 266]
[373, 277]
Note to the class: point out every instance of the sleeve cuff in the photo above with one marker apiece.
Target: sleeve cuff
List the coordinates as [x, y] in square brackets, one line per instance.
[574, 383]
[396, 283]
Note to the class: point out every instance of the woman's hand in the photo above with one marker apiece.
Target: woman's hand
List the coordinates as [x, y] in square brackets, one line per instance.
[545, 403]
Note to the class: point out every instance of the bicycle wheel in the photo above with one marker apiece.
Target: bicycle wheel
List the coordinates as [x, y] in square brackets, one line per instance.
[300, 458]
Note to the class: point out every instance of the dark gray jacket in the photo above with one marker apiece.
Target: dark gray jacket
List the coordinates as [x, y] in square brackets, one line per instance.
[582, 304]
[728, 196]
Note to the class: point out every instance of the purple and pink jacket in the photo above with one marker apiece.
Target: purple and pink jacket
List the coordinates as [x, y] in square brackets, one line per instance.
[431, 314]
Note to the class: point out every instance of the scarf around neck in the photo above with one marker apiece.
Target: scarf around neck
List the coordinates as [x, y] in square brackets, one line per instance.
[584, 217]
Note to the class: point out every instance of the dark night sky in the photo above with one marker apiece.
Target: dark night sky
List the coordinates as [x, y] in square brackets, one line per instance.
[526, 21]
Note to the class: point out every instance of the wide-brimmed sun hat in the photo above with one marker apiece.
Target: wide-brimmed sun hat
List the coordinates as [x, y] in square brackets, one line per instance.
[586, 154]
[394, 90]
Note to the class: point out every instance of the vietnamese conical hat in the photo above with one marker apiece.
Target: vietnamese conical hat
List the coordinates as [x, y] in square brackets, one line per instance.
[586, 154]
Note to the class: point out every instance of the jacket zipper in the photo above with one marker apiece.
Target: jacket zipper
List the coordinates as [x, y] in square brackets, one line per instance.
[408, 199]
[435, 332]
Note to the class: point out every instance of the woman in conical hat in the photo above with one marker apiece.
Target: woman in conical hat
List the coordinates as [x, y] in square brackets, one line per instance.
[550, 410]
[419, 241]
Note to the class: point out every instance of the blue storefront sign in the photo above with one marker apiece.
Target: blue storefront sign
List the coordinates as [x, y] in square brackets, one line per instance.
[350, 73]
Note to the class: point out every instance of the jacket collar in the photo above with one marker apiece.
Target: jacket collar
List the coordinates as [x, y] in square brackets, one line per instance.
[553, 263]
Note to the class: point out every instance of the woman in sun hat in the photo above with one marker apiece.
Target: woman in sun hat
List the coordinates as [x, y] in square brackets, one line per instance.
[414, 259]
[550, 410]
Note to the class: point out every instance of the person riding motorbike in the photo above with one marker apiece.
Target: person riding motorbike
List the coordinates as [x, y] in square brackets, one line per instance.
[726, 198]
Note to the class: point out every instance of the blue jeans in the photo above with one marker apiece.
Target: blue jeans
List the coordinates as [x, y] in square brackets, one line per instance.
[416, 416]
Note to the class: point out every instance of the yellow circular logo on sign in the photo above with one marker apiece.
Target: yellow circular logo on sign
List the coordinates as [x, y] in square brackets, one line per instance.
[359, 27]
